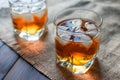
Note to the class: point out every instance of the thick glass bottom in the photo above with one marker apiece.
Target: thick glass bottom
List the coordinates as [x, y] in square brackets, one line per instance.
[75, 69]
[30, 37]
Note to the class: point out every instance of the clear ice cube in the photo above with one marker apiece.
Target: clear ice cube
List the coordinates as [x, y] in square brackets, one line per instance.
[92, 33]
[80, 37]
[76, 38]
[63, 33]
[85, 39]
[63, 28]
[92, 29]
[90, 26]
[77, 22]
[19, 9]
[38, 7]
[74, 25]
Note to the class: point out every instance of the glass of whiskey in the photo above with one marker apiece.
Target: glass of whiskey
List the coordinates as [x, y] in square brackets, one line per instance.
[77, 40]
[29, 18]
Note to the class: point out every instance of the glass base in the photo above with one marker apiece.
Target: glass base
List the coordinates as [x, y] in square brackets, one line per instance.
[30, 37]
[76, 69]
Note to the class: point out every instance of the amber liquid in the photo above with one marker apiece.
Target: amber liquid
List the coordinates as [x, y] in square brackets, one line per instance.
[75, 53]
[29, 26]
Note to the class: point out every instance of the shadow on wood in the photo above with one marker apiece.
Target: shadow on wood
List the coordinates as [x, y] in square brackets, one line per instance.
[30, 48]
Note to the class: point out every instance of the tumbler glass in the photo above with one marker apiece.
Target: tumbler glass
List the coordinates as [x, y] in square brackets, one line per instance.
[29, 18]
[77, 38]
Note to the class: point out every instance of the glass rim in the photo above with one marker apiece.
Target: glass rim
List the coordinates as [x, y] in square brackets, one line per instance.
[12, 2]
[77, 33]
[68, 9]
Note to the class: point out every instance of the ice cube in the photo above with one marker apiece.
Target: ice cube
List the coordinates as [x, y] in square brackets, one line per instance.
[74, 25]
[76, 38]
[90, 26]
[19, 9]
[80, 37]
[77, 30]
[67, 28]
[88, 43]
[59, 31]
[62, 32]
[65, 36]
[92, 33]
[85, 37]
[39, 6]
[63, 28]
[71, 28]
[77, 22]
[26, 1]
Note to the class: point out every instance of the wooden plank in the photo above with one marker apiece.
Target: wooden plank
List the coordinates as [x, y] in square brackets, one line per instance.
[7, 60]
[1, 43]
[24, 71]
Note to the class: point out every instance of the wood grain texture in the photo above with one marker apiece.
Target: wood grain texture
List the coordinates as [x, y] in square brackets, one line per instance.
[7, 60]
[41, 53]
[1, 43]
[24, 71]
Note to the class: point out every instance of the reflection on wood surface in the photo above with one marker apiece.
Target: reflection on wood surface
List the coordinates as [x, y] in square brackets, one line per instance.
[29, 48]
[93, 74]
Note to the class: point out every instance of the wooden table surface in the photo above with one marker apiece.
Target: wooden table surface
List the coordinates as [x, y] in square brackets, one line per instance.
[13, 67]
